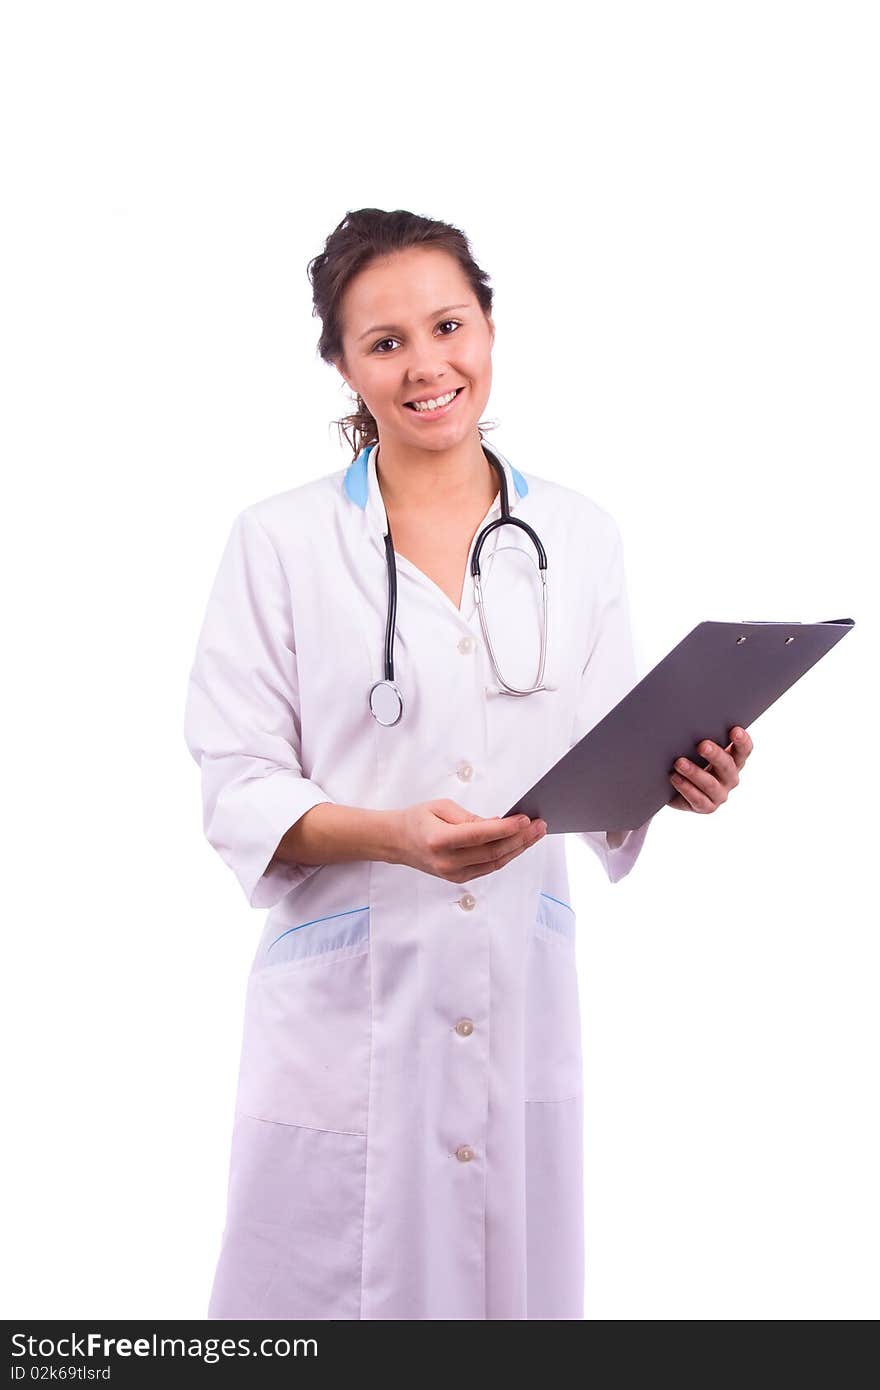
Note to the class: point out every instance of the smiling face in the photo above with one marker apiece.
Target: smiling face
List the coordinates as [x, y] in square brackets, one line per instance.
[413, 330]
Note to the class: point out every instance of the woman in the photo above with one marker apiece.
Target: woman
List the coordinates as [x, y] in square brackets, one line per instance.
[407, 1131]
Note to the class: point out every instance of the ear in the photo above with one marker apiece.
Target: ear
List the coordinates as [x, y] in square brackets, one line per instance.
[338, 364]
[491, 323]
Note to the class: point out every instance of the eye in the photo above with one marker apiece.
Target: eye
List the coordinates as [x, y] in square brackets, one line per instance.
[442, 324]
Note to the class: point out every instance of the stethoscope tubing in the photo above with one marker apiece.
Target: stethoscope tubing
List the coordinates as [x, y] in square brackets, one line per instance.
[385, 696]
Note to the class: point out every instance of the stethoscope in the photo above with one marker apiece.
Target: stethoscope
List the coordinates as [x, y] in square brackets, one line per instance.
[386, 700]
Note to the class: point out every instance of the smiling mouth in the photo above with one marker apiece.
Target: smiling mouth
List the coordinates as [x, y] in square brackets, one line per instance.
[422, 408]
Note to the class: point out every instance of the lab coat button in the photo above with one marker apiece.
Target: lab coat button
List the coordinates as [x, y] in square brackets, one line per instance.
[466, 645]
[464, 1152]
[465, 772]
[464, 1026]
[467, 901]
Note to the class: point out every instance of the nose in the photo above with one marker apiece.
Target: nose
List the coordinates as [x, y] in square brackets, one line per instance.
[427, 364]
[425, 375]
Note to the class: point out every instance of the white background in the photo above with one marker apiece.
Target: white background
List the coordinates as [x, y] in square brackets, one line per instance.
[678, 207]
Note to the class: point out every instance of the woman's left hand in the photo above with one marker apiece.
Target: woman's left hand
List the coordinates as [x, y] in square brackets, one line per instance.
[704, 789]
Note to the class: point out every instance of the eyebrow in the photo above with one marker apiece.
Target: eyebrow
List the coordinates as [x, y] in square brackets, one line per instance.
[392, 327]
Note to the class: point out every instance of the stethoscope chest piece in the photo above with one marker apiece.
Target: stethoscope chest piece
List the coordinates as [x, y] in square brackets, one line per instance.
[386, 702]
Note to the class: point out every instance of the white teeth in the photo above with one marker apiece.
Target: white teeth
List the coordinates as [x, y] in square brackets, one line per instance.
[433, 405]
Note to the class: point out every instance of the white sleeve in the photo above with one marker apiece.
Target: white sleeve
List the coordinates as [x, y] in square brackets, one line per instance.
[242, 724]
[608, 674]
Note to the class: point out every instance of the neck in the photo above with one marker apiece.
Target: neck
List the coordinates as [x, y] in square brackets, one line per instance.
[421, 480]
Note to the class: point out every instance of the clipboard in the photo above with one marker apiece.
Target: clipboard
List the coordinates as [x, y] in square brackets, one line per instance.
[721, 674]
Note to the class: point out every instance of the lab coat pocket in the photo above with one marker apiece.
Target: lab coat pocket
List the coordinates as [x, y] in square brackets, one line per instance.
[306, 1047]
[553, 1065]
[280, 1256]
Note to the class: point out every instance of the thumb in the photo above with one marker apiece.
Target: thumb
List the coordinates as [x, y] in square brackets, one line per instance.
[452, 813]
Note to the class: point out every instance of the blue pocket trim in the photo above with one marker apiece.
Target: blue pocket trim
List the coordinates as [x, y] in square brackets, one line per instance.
[551, 916]
[558, 900]
[290, 946]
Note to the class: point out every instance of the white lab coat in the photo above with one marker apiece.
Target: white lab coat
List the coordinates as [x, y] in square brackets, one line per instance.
[384, 1162]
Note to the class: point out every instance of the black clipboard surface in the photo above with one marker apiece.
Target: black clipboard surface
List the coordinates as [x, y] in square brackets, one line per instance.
[721, 674]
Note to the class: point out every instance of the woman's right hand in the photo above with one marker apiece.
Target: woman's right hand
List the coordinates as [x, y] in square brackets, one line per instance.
[444, 839]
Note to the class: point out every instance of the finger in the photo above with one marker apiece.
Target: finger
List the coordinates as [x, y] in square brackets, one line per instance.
[741, 745]
[721, 766]
[677, 802]
[484, 831]
[702, 778]
[697, 799]
[495, 851]
[490, 866]
[451, 813]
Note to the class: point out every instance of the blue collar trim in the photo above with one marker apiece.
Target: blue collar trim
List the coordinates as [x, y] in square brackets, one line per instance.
[356, 482]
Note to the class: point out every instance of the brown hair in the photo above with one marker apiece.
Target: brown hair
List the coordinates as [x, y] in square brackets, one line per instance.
[362, 237]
